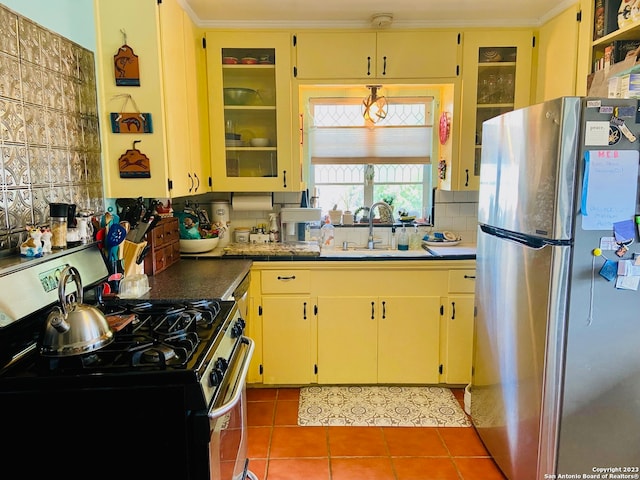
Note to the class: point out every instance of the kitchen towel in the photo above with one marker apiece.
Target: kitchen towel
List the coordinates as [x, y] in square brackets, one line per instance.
[243, 203]
[394, 406]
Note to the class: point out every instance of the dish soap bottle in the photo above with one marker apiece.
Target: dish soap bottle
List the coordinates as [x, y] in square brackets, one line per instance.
[415, 240]
[403, 239]
[328, 235]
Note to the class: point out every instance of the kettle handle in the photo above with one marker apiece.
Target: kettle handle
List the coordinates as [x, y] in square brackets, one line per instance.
[69, 272]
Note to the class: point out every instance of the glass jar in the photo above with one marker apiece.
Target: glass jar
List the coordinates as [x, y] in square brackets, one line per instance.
[58, 214]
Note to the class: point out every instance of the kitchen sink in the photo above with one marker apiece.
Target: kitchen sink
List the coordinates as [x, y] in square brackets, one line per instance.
[360, 252]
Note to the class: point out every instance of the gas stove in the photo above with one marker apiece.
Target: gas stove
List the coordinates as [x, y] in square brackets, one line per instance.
[166, 387]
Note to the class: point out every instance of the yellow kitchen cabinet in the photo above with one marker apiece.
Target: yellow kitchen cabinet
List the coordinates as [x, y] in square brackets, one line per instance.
[158, 35]
[288, 326]
[496, 78]
[558, 56]
[379, 322]
[187, 172]
[408, 339]
[286, 339]
[396, 339]
[347, 339]
[377, 55]
[458, 324]
[360, 322]
[237, 164]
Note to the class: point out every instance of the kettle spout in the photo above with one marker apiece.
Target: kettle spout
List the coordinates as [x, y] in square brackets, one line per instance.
[57, 321]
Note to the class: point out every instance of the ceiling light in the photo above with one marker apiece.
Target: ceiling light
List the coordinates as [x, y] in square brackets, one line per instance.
[374, 107]
[381, 20]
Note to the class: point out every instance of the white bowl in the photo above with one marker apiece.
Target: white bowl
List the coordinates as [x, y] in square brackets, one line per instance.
[198, 245]
[259, 142]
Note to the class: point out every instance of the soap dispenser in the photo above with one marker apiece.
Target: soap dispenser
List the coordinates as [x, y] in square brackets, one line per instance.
[403, 239]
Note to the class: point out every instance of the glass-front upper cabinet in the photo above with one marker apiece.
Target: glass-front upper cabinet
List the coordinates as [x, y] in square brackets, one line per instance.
[496, 79]
[249, 111]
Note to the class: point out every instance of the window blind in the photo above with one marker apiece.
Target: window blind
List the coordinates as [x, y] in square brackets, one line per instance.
[339, 135]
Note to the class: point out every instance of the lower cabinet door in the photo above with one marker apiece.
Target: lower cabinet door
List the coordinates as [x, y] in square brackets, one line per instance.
[286, 339]
[408, 339]
[347, 340]
[459, 345]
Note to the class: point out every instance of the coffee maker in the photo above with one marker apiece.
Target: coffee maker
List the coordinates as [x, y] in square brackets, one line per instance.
[295, 222]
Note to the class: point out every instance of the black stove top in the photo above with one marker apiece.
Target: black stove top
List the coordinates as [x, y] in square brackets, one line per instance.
[156, 337]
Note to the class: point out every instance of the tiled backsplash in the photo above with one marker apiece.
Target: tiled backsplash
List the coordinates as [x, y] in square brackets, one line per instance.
[49, 133]
[457, 212]
[454, 211]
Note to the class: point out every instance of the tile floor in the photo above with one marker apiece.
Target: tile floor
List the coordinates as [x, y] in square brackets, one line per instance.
[279, 449]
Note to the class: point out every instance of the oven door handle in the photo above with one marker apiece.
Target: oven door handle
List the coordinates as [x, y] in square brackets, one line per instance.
[239, 384]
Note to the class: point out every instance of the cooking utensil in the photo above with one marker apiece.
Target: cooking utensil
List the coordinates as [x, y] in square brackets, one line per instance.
[115, 235]
[143, 254]
[74, 328]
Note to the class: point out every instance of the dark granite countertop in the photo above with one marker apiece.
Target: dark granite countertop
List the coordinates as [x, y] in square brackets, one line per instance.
[191, 279]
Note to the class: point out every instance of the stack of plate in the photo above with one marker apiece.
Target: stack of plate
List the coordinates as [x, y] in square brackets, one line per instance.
[435, 239]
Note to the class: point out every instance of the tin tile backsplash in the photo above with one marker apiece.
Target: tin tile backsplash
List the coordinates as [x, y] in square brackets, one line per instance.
[49, 132]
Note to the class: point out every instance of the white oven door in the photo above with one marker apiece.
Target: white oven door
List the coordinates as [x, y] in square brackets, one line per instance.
[228, 421]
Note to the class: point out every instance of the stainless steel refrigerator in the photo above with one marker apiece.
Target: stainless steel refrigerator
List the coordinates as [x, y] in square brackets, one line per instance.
[556, 371]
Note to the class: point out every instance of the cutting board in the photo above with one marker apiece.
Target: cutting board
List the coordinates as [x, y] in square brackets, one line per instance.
[118, 321]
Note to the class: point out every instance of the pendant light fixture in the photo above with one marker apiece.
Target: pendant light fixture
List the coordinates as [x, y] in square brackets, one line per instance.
[374, 107]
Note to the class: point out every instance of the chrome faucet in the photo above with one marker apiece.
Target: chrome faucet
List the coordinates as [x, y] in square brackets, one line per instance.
[371, 243]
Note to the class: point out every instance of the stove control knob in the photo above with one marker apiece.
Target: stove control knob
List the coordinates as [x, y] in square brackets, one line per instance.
[221, 364]
[237, 329]
[215, 377]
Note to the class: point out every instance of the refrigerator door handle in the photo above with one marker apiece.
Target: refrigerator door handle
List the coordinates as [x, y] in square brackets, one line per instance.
[536, 243]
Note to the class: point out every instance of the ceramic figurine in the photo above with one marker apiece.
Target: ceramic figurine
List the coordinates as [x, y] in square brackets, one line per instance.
[32, 246]
[46, 240]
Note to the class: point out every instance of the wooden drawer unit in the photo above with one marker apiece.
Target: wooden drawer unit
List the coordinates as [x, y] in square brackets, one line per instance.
[462, 281]
[164, 246]
[286, 281]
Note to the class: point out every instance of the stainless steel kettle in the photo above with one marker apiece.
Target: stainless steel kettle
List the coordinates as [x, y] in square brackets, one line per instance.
[74, 328]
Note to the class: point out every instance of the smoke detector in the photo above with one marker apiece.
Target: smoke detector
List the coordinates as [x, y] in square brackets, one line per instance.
[381, 20]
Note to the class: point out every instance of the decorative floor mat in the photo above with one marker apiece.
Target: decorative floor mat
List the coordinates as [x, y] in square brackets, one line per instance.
[380, 406]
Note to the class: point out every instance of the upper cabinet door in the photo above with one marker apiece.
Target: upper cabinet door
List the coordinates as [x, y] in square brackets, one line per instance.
[377, 55]
[179, 69]
[335, 55]
[248, 75]
[496, 79]
[429, 54]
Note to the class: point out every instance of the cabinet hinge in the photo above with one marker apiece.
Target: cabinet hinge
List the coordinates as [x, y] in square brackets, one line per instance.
[579, 16]
[295, 71]
[210, 182]
[204, 42]
[315, 369]
[457, 70]
[315, 309]
[260, 310]
[440, 369]
[459, 38]
[260, 369]
[169, 184]
[441, 309]
[533, 41]
[294, 39]
[475, 311]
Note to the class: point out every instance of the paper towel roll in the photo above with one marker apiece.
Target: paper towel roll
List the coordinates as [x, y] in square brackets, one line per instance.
[242, 203]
